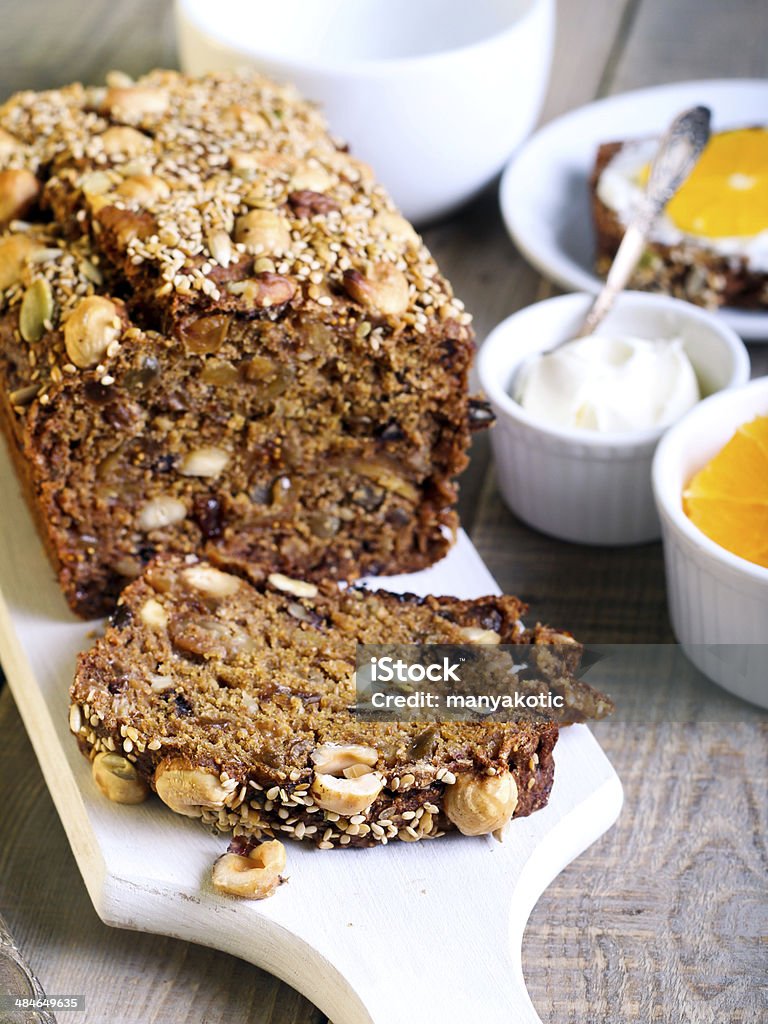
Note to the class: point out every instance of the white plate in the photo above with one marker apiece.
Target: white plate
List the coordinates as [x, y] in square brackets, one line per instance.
[544, 192]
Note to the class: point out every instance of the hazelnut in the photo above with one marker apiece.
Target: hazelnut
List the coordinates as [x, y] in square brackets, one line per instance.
[96, 183]
[18, 192]
[395, 227]
[90, 329]
[252, 877]
[298, 588]
[265, 291]
[15, 250]
[475, 635]
[337, 758]
[118, 779]
[188, 790]
[153, 614]
[143, 189]
[207, 462]
[8, 143]
[263, 231]
[131, 102]
[346, 796]
[211, 582]
[162, 511]
[479, 805]
[384, 289]
[123, 141]
[311, 178]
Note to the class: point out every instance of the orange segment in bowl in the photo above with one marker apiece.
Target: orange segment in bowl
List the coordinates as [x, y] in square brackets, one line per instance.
[728, 498]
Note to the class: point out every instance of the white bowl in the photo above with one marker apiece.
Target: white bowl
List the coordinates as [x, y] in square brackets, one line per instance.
[718, 602]
[579, 485]
[435, 94]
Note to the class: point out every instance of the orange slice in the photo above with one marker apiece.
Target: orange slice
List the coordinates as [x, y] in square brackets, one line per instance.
[726, 195]
[728, 498]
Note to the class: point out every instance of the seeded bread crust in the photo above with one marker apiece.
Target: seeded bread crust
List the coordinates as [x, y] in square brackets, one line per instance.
[691, 272]
[245, 683]
[284, 379]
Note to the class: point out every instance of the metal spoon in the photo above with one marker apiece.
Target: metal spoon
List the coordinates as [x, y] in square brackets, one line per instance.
[675, 158]
[679, 149]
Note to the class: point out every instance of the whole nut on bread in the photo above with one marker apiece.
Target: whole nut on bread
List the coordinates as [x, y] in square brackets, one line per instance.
[478, 806]
[143, 188]
[336, 758]
[15, 250]
[265, 291]
[188, 790]
[396, 227]
[384, 288]
[90, 329]
[253, 876]
[18, 191]
[346, 796]
[118, 779]
[135, 101]
[120, 140]
[263, 231]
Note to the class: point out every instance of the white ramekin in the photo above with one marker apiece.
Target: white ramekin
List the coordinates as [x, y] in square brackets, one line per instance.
[435, 94]
[718, 602]
[579, 485]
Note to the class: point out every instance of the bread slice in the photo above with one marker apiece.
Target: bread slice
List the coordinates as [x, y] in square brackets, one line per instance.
[217, 333]
[234, 703]
[687, 271]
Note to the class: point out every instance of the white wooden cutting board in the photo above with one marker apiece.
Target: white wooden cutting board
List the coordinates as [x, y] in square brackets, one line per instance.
[427, 932]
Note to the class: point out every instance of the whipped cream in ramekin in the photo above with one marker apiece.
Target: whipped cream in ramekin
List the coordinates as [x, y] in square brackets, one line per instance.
[609, 384]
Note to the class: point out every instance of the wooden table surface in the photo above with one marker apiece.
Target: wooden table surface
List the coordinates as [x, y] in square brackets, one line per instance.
[665, 919]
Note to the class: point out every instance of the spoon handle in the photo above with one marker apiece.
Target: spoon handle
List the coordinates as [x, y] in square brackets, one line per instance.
[675, 158]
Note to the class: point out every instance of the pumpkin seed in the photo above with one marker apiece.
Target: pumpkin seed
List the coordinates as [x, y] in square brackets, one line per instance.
[36, 309]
